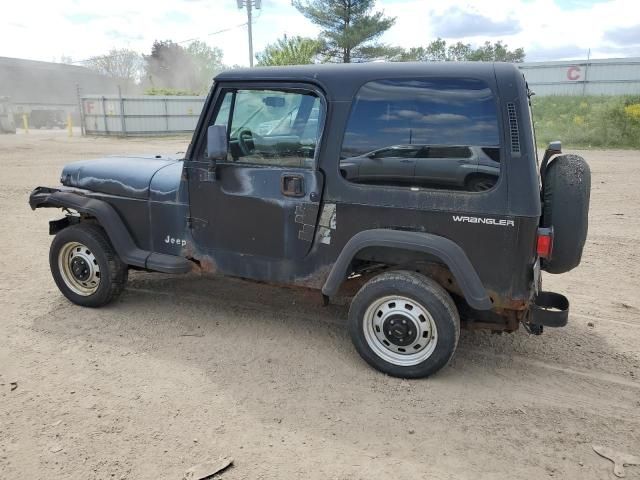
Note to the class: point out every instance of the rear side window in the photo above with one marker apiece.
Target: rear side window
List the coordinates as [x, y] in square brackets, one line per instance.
[433, 133]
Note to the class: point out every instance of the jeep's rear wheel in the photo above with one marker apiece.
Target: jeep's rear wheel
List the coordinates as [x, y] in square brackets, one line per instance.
[85, 266]
[404, 324]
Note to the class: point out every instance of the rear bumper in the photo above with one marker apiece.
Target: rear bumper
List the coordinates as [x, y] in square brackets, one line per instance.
[549, 309]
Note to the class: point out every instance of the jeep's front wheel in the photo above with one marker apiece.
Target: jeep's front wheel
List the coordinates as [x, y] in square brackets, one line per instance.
[404, 324]
[85, 266]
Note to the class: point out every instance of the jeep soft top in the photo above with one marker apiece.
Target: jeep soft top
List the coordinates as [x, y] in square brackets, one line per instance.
[415, 185]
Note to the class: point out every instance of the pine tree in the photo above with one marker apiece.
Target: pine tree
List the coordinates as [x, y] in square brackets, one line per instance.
[349, 28]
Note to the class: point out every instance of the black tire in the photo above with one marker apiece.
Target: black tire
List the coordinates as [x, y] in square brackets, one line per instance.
[108, 271]
[566, 190]
[428, 295]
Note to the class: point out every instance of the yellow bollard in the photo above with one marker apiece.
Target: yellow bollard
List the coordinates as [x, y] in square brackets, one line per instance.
[69, 125]
[25, 123]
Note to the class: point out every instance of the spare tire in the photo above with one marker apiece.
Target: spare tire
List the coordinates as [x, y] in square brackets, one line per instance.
[566, 188]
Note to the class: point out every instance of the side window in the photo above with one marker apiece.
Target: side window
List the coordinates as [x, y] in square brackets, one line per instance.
[225, 108]
[271, 127]
[431, 133]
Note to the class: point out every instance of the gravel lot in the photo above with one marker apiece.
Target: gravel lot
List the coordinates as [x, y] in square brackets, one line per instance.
[181, 369]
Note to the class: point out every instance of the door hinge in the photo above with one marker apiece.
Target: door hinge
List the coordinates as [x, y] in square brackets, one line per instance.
[193, 222]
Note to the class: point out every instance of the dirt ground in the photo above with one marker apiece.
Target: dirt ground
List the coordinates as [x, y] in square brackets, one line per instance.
[181, 369]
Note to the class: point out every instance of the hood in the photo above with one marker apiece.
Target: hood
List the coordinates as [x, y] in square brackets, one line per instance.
[122, 176]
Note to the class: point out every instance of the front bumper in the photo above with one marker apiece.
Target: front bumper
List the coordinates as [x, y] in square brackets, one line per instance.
[40, 195]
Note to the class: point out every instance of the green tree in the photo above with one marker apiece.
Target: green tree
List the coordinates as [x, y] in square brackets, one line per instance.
[497, 52]
[207, 61]
[459, 52]
[122, 64]
[438, 51]
[350, 28]
[177, 92]
[414, 54]
[289, 51]
[170, 66]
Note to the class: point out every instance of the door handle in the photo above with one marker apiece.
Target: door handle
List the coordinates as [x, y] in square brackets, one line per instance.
[292, 185]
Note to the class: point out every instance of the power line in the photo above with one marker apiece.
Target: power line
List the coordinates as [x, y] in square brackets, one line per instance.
[213, 33]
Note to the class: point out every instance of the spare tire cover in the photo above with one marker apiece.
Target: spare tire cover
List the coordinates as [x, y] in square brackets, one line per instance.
[566, 189]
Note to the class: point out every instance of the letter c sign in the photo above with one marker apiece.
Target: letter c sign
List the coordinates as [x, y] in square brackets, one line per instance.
[573, 73]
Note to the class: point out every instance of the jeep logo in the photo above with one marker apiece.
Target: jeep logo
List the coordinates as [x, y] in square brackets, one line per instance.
[175, 241]
[487, 221]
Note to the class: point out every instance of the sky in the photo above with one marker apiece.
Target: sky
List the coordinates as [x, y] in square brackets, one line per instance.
[546, 29]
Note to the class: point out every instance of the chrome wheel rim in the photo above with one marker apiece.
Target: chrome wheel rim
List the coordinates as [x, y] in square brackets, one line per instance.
[79, 268]
[400, 330]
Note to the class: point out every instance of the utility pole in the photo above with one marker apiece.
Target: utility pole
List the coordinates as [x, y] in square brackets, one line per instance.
[249, 4]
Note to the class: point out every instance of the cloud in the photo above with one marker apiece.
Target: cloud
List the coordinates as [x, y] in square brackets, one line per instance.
[120, 35]
[440, 118]
[83, 17]
[547, 29]
[415, 116]
[455, 22]
[626, 51]
[176, 17]
[562, 52]
[624, 36]
[577, 4]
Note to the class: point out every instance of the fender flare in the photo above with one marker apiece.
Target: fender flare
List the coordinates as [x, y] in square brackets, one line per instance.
[110, 220]
[446, 250]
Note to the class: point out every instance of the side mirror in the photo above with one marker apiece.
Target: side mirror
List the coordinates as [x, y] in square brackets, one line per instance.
[217, 146]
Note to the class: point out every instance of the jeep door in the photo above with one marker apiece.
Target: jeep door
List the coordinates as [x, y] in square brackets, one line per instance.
[262, 201]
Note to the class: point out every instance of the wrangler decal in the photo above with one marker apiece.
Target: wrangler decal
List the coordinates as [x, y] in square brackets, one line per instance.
[485, 220]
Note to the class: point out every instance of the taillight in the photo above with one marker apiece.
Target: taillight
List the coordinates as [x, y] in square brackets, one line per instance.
[544, 245]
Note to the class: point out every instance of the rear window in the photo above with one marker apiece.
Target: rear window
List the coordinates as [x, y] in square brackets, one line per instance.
[432, 133]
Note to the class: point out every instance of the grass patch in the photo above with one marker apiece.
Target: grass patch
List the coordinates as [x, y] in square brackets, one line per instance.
[592, 121]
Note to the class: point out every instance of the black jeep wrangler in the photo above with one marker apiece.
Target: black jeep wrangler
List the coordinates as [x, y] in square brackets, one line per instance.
[416, 185]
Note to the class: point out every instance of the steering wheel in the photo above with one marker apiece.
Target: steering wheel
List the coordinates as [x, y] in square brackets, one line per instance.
[245, 142]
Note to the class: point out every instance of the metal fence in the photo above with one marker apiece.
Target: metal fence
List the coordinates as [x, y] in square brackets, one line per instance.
[613, 76]
[139, 115]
